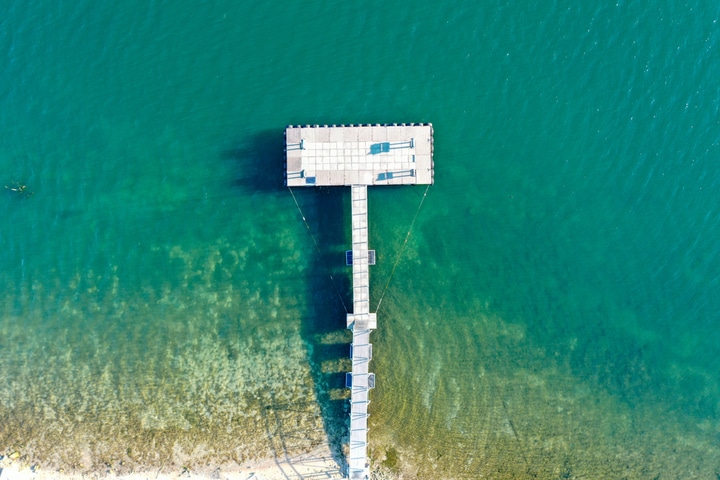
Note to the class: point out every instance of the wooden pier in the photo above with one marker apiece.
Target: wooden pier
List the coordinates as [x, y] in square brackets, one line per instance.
[358, 156]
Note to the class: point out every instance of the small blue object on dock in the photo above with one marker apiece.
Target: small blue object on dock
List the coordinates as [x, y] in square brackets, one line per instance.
[376, 148]
[349, 257]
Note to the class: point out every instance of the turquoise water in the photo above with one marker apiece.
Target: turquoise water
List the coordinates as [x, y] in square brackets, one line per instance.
[553, 315]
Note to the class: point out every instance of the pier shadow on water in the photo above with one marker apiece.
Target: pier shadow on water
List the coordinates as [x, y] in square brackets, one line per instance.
[324, 326]
[259, 164]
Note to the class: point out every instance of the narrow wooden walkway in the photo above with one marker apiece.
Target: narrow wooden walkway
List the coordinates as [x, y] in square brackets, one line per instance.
[362, 382]
[361, 321]
[361, 318]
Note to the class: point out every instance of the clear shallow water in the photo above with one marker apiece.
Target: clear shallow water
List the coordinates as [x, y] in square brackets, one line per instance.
[554, 313]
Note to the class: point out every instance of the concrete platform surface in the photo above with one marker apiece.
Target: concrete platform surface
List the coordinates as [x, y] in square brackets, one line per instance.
[359, 155]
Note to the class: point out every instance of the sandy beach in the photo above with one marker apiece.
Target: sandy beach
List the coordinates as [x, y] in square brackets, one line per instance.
[317, 464]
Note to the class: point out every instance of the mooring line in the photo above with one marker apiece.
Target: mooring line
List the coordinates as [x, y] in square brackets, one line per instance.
[402, 249]
[317, 247]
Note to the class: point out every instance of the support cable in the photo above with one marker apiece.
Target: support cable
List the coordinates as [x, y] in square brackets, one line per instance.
[317, 247]
[402, 249]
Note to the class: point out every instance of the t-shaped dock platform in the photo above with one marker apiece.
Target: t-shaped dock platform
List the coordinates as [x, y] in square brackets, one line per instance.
[358, 156]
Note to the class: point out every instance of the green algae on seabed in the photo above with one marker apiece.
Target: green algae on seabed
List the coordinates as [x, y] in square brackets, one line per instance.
[197, 378]
[528, 417]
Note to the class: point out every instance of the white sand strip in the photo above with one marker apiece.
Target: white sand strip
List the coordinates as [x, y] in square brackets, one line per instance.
[318, 464]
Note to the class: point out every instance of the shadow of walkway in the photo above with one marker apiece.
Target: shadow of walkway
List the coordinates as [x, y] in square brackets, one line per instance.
[259, 165]
[323, 328]
[320, 462]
